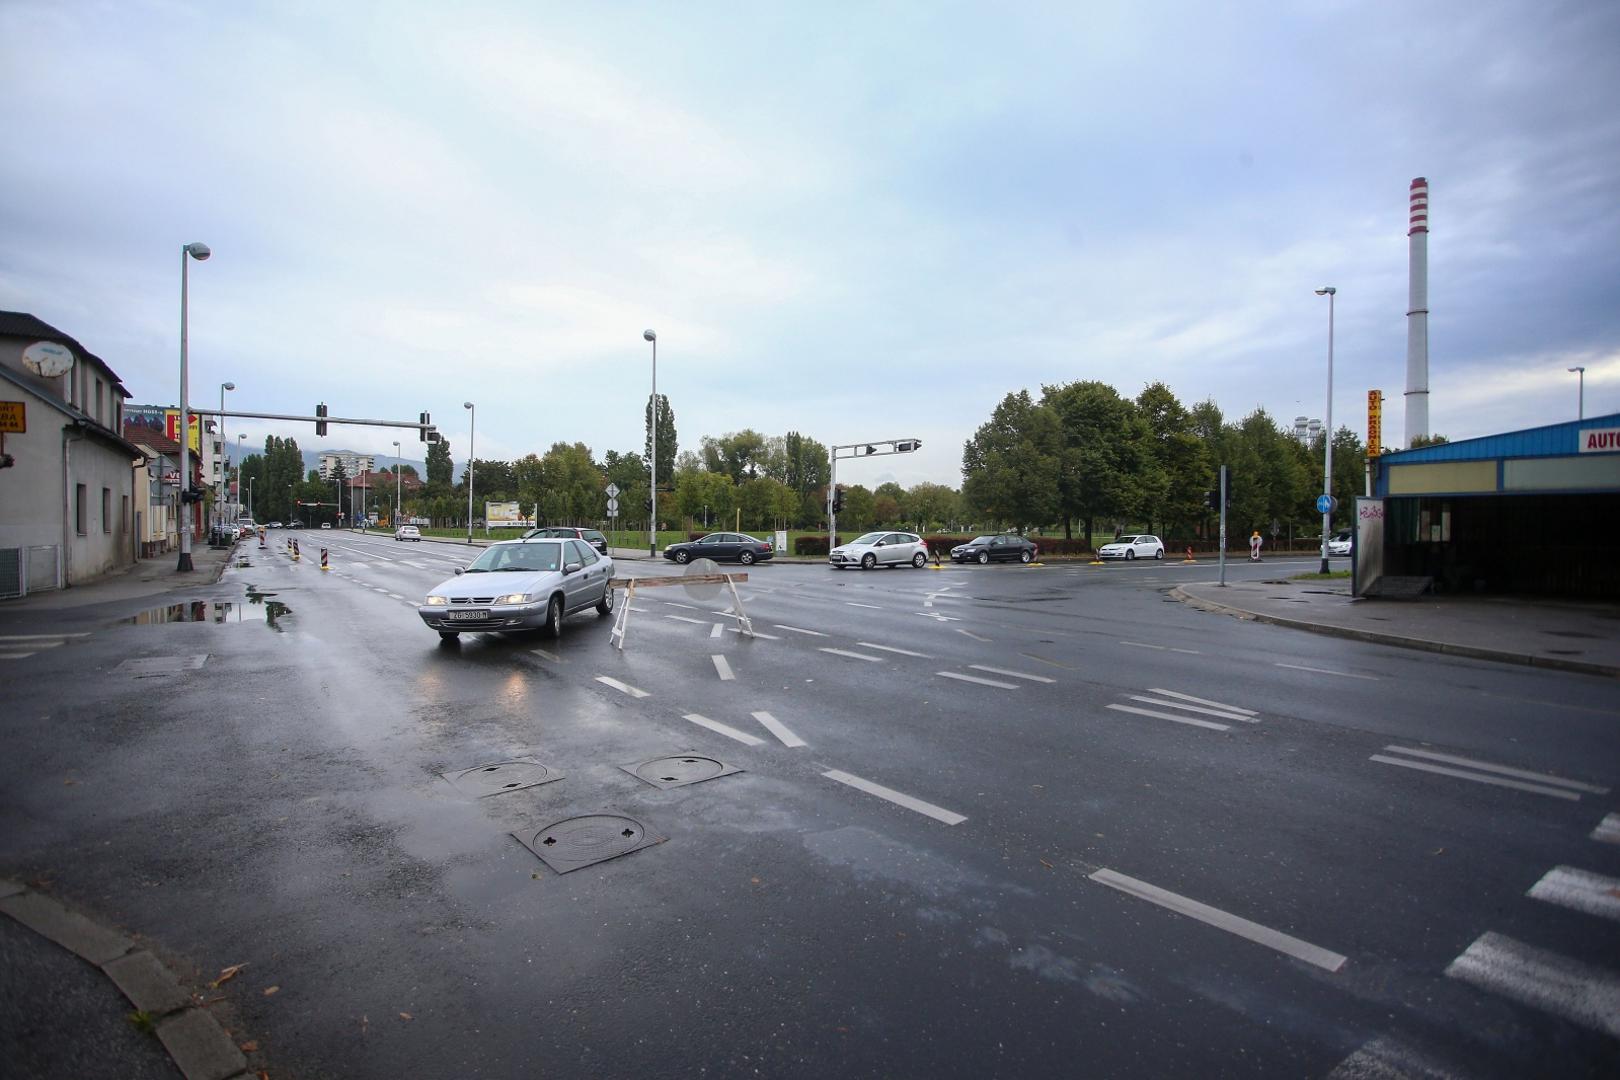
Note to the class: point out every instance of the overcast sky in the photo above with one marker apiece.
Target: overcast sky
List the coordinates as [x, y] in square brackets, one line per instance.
[858, 221]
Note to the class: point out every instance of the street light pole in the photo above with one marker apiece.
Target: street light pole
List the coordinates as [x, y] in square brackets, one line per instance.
[1327, 433]
[652, 519]
[198, 251]
[1580, 407]
[397, 471]
[239, 439]
[472, 430]
[219, 503]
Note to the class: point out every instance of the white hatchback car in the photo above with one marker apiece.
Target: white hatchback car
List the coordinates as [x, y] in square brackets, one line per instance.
[1133, 547]
[880, 549]
[1341, 543]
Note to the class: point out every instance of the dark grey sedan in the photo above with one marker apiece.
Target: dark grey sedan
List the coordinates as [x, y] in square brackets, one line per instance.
[1000, 548]
[722, 545]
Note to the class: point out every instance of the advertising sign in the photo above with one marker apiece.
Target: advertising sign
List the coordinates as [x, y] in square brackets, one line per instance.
[499, 515]
[171, 428]
[13, 417]
[1375, 423]
[1603, 440]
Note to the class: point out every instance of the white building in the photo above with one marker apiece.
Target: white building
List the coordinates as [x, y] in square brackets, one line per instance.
[67, 478]
[353, 464]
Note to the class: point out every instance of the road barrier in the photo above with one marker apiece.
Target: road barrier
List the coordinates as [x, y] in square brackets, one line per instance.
[622, 624]
[296, 556]
[1189, 557]
[323, 560]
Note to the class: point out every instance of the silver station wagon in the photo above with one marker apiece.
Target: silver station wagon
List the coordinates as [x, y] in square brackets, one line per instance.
[521, 585]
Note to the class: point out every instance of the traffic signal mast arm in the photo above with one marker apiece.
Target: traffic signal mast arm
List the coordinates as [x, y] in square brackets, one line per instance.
[429, 433]
[835, 494]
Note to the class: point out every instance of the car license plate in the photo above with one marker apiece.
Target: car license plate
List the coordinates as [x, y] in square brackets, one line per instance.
[467, 616]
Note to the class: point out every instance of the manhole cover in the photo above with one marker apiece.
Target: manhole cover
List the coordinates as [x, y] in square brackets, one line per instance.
[674, 772]
[584, 841]
[146, 666]
[499, 777]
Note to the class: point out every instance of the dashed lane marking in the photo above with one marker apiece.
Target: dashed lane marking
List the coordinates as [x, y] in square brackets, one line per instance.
[677, 603]
[1230, 709]
[757, 633]
[893, 649]
[1286, 944]
[725, 729]
[1461, 774]
[1044, 660]
[938, 813]
[1193, 721]
[40, 637]
[1542, 980]
[396, 596]
[799, 630]
[15, 655]
[716, 630]
[874, 607]
[1160, 648]
[1503, 770]
[1580, 890]
[971, 634]
[1329, 671]
[779, 729]
[722, 669]
[1011, 674]
[959, 677]
[683, 618]
[417, 565]
[1608, 830]
[623, 688]
[854, 655]
[43, 644]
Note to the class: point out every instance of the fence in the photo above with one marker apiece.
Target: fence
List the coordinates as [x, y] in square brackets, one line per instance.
[29, 569]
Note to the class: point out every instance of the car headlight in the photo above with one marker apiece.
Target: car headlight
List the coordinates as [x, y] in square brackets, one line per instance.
[513, 598]
[437, 601]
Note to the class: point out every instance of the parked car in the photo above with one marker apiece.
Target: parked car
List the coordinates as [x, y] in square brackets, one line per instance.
[880, 549]
[275, 524]
[1133, 547]
[326, 524]
[1003, 547]
[568, 532]
[521, 585]
[722, 545]
[408, 532]
[1341, 543]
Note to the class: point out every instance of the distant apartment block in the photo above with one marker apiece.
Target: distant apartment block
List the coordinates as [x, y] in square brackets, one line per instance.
[353, 464]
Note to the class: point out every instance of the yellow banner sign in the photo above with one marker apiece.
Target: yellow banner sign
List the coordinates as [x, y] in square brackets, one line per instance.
[1375, 424]
[13, 417]
[172, 428]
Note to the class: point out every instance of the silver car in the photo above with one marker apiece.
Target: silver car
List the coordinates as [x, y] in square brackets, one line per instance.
[880, 549]
[521, 585]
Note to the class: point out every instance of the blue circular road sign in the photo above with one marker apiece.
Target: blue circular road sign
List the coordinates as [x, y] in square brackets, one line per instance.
[1326, 504]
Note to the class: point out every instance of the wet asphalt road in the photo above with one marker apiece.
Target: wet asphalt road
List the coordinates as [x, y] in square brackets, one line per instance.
[284, 806]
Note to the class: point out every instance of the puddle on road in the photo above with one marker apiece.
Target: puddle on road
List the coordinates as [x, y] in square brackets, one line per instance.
[218, 612]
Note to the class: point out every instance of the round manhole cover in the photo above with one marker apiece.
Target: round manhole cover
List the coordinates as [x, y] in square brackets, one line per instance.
[497, 777]
[679, 770]
[581, 841]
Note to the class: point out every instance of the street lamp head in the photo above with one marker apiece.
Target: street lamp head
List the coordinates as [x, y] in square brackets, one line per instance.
[227, 386]
[1326, 290]
[1575, 369]
[649, 335]
[198, 250]
[466, 404]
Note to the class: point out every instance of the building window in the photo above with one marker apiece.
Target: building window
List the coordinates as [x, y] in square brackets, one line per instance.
[123, 515]
[98, 401]
[106, 510]
[79, 508]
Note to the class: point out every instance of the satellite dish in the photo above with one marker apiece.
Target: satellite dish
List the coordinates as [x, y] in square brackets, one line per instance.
[47, 359]
[698, 568]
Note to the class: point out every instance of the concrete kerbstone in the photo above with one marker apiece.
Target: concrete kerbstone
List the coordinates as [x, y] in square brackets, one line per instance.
[73, 932]
[199, 1046]
[150, 986]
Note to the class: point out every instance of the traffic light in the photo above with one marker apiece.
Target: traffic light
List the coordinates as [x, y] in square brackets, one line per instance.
[906, 446]
[838, 499]
[320, 425]
[422, 432]
[646, 504]
[1212, 499]
[191, 495]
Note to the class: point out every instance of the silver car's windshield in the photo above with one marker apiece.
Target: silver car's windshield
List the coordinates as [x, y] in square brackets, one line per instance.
[527, 557]
[869, 538]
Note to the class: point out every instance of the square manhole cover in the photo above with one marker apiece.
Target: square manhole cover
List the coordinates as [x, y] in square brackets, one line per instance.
[147, 666]
[499, 777]
[679, 770]
[578, 842]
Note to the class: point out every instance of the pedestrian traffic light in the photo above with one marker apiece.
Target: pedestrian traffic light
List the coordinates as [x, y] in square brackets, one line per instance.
[838, 499]
[422, 432]
[320, 425]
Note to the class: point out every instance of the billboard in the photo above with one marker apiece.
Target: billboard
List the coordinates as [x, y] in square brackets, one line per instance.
[171, 427]
[1375, 423]
[499, 515]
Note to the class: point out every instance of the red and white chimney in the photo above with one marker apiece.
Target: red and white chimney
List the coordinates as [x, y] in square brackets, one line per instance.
[1417, 314]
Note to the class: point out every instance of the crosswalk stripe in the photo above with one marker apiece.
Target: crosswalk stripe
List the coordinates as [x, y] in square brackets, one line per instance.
[1608, 830]
[722, 668]
[1194, 721]
[1580, 890]
[683, 618]
[623, 688]
[1224, 715]
[1504, 770]
[1011, 674]
[891, 648]
[1542, 980]
[779, 729]
[1202, 701]
[1478, 778]
[959, 677]
[799, 630]
[725, 729]
[853, 655]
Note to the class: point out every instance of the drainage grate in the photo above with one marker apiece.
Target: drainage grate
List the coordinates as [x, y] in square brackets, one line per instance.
[578, 842]
[674, 772]
[146, 666]
[499, 777]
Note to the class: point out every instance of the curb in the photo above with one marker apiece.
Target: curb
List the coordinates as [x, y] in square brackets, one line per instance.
[1374, 637]
[196, 1043]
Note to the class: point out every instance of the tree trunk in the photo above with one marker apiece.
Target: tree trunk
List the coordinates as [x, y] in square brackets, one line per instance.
[1068, 531]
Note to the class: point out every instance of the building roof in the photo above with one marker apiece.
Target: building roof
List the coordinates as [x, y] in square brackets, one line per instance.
[151, 438]
[75, 417]
[23, 325]
[1554, 440]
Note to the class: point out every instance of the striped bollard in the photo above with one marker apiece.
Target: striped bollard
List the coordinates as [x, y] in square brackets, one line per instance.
[323, 560]
[295, 551]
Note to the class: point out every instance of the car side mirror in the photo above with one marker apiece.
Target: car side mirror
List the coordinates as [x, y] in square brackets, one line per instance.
[880, 543]
[573, 567]
[459, 571]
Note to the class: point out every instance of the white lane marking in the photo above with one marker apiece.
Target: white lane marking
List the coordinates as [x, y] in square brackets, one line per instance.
[1286, 944]
[722, 668]
[374, 555]
[38, 637]
[854, 655]
[1171, 716]
[1486, 766]
[1542, 980]
[396, 596]
[726, 730]
[1011, 674]
[971, 634]
[43, 643]
[640, 609]
[727, 611]
[799, 630]
[975, 679]
[1581, 890]
[677, 603]
[779, 729]
[715, 630]
[623, 688]
[548, 654]
[874, 607]
[360, 566]
[1538, 789]
[1386, 1059]
[417, 565]
[1222, 713]
[1144, 645]
[15, 655]
[1203, 701]
[1326, 671]
[1608, 830]
[936, 616]
[683, 618]
[378, 588]
[891, 648]
[757, 633]
[938, 813]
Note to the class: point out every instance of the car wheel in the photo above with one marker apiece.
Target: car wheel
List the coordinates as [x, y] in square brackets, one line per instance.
[868, 561]
[604, 606]
[984, 557]
[1024, 556]
[919, 560]
[681, 557]
[1130, 553]
[746, 558]
[449, 635]
[554, 617]
[1159, 554]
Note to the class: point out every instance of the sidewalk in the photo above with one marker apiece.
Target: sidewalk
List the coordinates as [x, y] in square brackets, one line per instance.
[148, 577]
[1564, 634]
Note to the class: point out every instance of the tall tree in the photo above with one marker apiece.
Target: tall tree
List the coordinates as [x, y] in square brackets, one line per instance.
[667, 447]
[1011, 467]
[1180, 458]
[440, 470]
[931, 506]
[1104, 468]
[804, 463]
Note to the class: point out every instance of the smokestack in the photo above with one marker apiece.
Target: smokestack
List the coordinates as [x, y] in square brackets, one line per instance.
[1417, 314]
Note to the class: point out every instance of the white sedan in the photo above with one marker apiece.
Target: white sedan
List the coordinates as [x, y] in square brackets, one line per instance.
[408, 532]
[1341, 543]
[521, 585]
[1133, 547]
